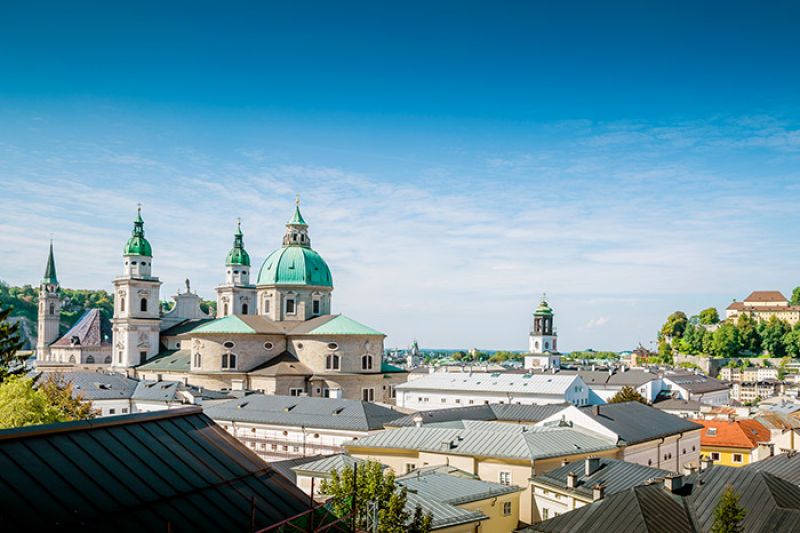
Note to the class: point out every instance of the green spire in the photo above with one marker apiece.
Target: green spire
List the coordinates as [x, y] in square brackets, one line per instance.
[238, 255]
[137, 244]
[544, 307]
[297, 219]
[50, 272]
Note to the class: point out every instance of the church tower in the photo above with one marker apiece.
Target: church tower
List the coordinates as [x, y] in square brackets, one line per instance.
[237, 296]
[49, 309]
[543, 337]
[137, 304]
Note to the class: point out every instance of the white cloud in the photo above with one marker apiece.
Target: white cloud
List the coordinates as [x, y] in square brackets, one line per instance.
[597, 322]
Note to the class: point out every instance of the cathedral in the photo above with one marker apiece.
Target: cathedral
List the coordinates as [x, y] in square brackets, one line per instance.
[273, 332]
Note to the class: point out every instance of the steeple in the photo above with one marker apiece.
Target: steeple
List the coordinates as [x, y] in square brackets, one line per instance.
[238, 255]
[50, 277]
[297, 229]
[137, 244]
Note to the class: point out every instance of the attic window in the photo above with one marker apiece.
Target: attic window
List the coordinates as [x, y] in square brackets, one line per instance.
[104, 386]
[333, 346]
[229, 344]
[712, 432]
[268, 346]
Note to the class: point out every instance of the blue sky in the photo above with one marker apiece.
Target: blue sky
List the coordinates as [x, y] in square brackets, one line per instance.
[455, 159]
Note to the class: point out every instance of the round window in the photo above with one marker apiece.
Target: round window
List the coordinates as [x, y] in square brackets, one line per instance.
[299, 345]
[268, 346]
[229, 344]
[178, 344]
[333, 346]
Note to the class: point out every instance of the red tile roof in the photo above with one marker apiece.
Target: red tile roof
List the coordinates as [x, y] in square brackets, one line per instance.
[733, 434]
[766, 296]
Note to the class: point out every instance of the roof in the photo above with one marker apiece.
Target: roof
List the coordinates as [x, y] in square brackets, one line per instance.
[450, 491]
[184, 326]
[635, 422]
[495, 411]
[157, 391]
[676, 404]
[512, 441]
[238, 255]
[295, 265]
[777, 420]
[546, 384]
[766, 296]
[284, 364]
[169, 361]
[169, 468]
[323, 466]
[733, 433]
[772, 504]
[785, 466]
[137, 244]
[304, 411]
[735, 306]
[286, 467]
[98, 385]
[241, 324]
[91, 329]
[297, 219]
[696, 383]
[333, 325]
[388, 368]
[50, 277]
[616, 476]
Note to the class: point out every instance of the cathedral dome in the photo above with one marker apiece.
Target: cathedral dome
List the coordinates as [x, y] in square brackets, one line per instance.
[295, 265]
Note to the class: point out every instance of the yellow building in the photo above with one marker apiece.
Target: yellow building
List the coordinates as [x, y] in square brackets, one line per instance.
[734, 442]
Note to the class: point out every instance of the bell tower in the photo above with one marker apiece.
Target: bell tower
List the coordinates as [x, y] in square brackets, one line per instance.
[237, 296]
[49, 312]
[137, 306]
[543, 337]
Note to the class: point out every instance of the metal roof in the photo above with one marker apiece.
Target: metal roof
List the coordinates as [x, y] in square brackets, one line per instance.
[91, 329]
[184, 326]
[696, 383]
[333, 325]
[524, 443]
[241, 324]
[785, 466]
[493, 411]
[548, 384]
[455, 490]
[284, 364]
[327, 464]
[168, 361]
[158, 391]
[635, 422]
[143, 472]
[444, 515]
[97, 385]
[615, 475]
[304, 411]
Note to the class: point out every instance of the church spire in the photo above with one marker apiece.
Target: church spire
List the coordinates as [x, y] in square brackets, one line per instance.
[297, 219]
[50, 277]
[297, 229]
[137, 244]
[238, 255]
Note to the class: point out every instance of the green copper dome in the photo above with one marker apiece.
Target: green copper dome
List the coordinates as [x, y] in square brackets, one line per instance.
[50, 277]
[137, 244]
[543, 309]
[295, 265]
[238, 255]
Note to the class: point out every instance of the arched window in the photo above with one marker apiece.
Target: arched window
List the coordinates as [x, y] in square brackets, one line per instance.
[197, 359]
[143, 305]
[366, 362]
[122, 303]
[90, 360]
[244, 309]
[229, 360]
[72, 358]
[52, 309]
[107, 360]
[332, 362]
[225, 310]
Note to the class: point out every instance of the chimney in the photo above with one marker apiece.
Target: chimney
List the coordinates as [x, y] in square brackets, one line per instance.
[673, 482]
[418, 420]
[705, 463]
[445, 446]
[598, 492]
[596, 410]
[591, 464]
[572, 480]
[564, 462]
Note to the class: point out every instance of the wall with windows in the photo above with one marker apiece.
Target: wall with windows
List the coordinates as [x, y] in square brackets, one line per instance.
[212, 353]
[293, 302]
[730, 456]
[355, 352]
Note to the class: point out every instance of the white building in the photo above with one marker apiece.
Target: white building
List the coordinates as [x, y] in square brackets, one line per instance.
[698, 387]
[439, 390]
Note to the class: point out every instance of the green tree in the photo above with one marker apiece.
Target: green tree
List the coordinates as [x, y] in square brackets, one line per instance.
[627, 394]
[10, 343]
[675, 325]
[748, 334]
[457, 356]
[772, 332]
[725, 341]
[792, 341]
[709, 316]
[728, 514]
[23, 404]
[664, 352]
[796, 296]
[374, 485]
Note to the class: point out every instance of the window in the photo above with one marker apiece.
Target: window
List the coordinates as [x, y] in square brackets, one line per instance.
[225, 309]
[392, 392]
[506, 508]
[714, 456]
[737, 458]
[112, 411]
[295, 392]
[332, 362]
[266, 305]
[143, 305]
[410, 467]
[122, 303]
[229, 360]
[290, 306]
[545, 513]
[198, 360]
[366, 362]
[315, 307]
[52, 309]
[444, 400]
[107, 360]
[244, 309]
[368, 395]
[333, 346]
[229, 344]
[90, 360]
[124, 410]
[505, 478]
[268, 346]
[142, 357]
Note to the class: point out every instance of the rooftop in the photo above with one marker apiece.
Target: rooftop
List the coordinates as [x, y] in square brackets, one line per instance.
[733, 433]
[766, 297]
[97, 385]
[494, 411]
[696, 383]
[91, 329]
[548, 384]
[635, 422]
[785, 466]
[167, 468]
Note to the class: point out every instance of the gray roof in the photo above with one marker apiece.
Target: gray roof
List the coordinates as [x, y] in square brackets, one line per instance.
[696, 383]
[141, 472]
[97, 385]
[617, 378]
[286, 467]
[541, 384]
[785, 466]
[676, 404]
[184, 326]
[169, 361]
[505, 440]
[91, 329]
[771, 503]
[324, 465]
[615, 475]
[444, 515]
[495, 411]
[635, 422]
[297, 411]
[157, 391]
